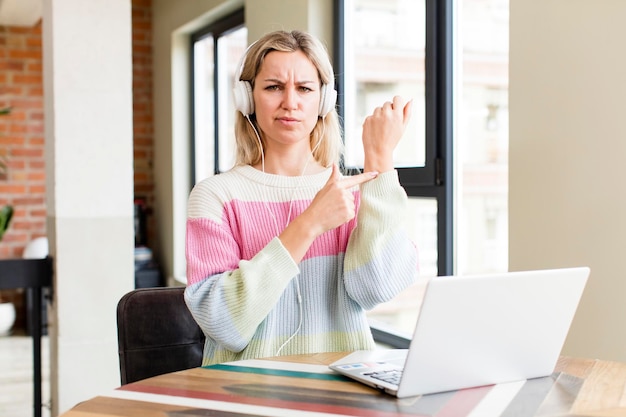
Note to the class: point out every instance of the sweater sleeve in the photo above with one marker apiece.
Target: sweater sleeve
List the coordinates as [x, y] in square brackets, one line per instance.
[228, 296]
[381, 260]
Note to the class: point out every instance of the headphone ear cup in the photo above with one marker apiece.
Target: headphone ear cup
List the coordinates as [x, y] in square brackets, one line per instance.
[327, 100]
[242, 96]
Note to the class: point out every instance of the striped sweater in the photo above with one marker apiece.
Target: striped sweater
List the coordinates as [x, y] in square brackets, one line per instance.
[242, 284]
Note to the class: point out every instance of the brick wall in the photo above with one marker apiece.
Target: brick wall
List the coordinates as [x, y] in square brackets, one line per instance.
[142, 113]
[22, 145]
[21, 136]
[22, 133]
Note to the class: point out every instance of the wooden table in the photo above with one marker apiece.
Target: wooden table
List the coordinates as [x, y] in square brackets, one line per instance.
[302, 386]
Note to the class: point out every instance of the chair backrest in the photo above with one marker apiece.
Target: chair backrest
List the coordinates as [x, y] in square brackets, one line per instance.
[156, 334]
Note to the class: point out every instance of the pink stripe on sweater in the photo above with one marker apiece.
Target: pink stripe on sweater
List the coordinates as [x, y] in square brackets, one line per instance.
[246, 228]
[254, 224]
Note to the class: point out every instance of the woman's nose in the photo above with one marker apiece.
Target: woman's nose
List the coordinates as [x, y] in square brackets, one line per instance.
[290, 98]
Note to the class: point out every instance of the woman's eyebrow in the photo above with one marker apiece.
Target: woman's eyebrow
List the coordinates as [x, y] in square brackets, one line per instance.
[276, 80]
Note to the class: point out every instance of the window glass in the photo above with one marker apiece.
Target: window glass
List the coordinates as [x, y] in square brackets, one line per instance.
[204, 110]
[481, 135]
[230, 48]
[384, 56]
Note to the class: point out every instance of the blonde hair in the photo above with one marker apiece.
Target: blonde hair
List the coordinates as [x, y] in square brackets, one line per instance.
[325, 138]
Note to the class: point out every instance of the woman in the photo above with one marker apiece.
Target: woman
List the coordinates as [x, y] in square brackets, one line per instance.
[284, 255]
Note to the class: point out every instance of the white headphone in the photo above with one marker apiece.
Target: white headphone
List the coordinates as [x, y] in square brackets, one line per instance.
[242, 93]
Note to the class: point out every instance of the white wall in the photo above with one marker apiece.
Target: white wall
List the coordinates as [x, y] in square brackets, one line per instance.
[89, 189]
[173, 21]
[314, 16]
[567, 148]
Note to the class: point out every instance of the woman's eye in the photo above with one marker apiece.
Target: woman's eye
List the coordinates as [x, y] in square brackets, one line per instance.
[271, 88]
[305, 89]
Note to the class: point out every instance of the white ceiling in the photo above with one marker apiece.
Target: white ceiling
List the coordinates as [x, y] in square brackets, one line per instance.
[20, 12]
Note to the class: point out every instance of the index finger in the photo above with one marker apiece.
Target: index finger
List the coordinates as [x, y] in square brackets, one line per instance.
[354, 180]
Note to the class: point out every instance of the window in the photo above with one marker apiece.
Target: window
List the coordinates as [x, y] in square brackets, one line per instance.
[481, 137]
[401, 47]
[216, 51]
[450, 56]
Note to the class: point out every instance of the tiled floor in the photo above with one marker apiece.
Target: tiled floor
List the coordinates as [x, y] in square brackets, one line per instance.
[16, 376]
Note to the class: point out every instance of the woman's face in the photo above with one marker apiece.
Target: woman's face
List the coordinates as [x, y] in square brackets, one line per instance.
[286, 99]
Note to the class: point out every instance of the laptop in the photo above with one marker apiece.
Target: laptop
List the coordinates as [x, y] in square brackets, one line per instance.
[477, 330]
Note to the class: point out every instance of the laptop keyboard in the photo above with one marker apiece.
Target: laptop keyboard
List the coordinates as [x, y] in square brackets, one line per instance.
[391, 376]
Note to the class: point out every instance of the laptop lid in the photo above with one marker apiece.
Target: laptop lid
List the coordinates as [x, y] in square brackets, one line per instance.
[487, 329]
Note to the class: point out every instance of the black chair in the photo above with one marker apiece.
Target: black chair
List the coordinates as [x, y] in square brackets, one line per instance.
[156, 334]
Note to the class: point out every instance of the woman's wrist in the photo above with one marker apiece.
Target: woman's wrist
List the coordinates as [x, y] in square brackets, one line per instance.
[378, 164]
[297, 237]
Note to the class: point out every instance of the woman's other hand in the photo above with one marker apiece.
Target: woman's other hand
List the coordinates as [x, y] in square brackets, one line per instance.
[382, 131]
